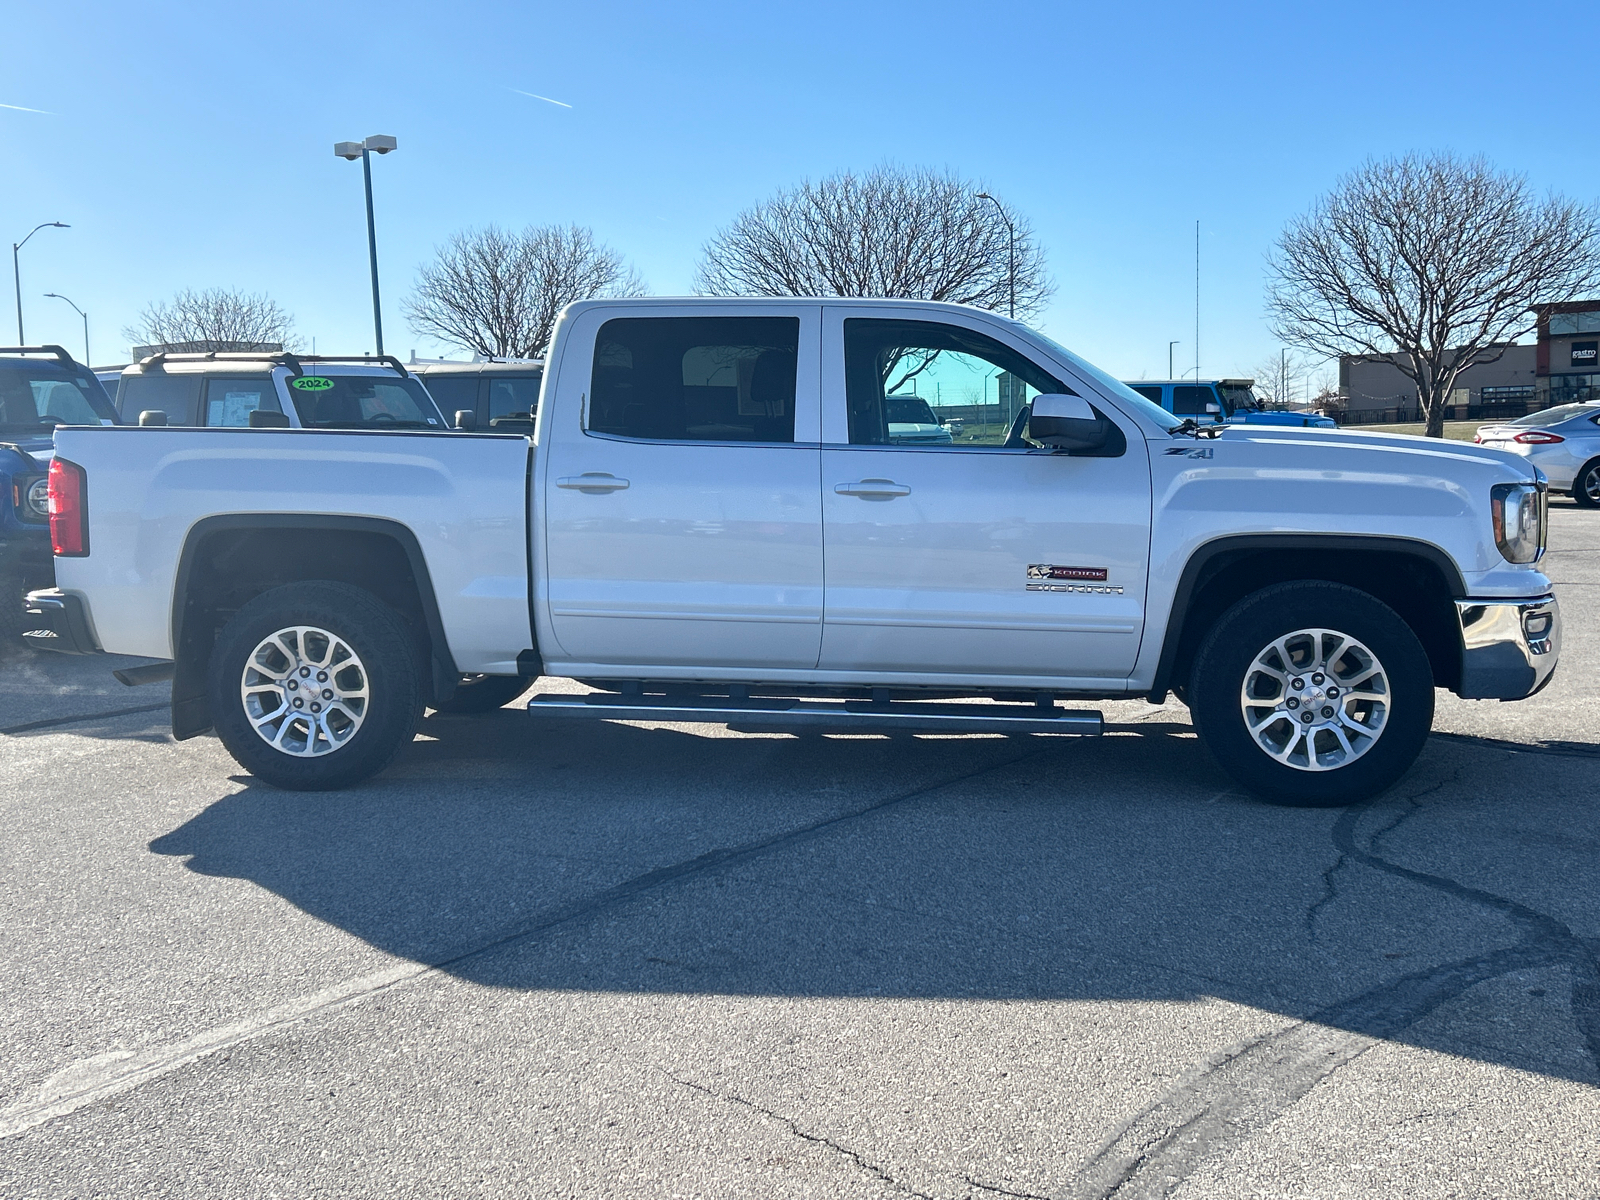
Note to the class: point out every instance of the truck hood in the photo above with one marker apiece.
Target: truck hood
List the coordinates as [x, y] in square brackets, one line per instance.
[1419, 455]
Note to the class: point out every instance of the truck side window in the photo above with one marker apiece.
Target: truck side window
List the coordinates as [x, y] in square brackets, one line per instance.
[698, 379]
[922, 383]
[1191, 401]
[1151, 393]
[229, 402]
[176, 395]
[513, 396]
[452, 392]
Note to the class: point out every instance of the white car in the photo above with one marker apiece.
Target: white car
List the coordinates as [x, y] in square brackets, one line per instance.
[912, 423]
[718, 520]
[1563, 442]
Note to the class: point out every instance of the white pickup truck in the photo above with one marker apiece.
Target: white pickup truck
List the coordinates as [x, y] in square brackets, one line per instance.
[714, 520]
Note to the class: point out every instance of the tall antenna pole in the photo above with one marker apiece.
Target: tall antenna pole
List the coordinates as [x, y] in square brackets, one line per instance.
[1197, 301]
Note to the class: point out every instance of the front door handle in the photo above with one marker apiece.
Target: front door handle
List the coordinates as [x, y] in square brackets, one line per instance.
[873, 489]
[592, 483]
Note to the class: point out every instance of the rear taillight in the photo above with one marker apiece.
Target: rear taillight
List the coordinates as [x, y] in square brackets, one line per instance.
[1537, 437]
[69, 509]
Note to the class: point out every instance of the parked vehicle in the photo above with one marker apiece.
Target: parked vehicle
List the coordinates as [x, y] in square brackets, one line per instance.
[716, 522]
[1563, 442]
[40, 387]
[236, 390]
[1218, 401]
[912, 423]
[502, 393]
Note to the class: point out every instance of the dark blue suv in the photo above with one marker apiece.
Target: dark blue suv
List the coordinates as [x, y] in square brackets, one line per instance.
[40, 387]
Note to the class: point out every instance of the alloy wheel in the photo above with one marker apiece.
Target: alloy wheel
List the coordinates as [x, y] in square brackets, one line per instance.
[305, 691]
[1315, 699]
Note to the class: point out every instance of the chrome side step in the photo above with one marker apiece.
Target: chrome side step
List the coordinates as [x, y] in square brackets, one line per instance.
[839, 715]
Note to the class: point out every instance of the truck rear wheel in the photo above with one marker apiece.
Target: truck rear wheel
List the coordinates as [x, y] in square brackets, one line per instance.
[314, 686]
[1313, 694]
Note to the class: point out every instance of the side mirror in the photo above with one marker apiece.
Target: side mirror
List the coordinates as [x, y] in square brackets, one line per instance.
[153, 416]
[466, 420]
[266, 418]
[1067, 423]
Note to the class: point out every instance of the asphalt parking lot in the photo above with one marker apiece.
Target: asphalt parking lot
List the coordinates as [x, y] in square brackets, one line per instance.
[589, 959]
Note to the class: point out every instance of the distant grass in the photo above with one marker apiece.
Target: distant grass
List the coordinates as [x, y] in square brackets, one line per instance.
[1461, 431]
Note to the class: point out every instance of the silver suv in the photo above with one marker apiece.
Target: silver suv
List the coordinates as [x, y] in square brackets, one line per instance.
[288, 391]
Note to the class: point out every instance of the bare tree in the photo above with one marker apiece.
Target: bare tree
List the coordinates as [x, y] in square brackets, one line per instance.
[1434, 260]
[216, 317]
[920, 235]
[494, 292]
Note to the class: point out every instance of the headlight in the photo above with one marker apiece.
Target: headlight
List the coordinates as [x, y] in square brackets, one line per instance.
[37, 499]
[1518, 513]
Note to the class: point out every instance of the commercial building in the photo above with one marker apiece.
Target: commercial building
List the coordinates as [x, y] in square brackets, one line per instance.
[1501, 382]
[1568, 349]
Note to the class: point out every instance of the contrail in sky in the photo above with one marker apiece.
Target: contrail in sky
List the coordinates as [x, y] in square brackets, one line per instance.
[43, 112]
[536, 96]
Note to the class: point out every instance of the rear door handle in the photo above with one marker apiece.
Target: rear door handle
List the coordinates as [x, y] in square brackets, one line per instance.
[873, 489]
[593, 483]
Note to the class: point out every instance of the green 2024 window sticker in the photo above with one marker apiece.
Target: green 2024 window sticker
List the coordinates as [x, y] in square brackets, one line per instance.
[311, 383]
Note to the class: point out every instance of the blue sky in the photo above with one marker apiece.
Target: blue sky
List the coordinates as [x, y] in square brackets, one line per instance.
[190, 145]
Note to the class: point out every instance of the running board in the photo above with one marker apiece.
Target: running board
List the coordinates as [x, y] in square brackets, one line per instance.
[917, 717]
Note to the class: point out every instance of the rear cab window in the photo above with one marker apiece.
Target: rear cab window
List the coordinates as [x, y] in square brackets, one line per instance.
[336, 400]
[697, 379]
[513, 399]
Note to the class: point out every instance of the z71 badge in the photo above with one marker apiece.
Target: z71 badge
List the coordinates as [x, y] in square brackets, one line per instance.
[1043, 577]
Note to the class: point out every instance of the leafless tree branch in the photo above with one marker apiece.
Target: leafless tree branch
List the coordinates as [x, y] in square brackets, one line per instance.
[219, 315]
[1432, 259]
[494, 292]
[914, 234]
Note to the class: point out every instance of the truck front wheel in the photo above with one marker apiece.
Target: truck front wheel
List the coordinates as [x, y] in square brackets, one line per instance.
[314, 686]
[1312, 693]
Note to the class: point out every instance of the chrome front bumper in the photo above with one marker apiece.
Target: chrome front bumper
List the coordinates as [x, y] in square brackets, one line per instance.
[1508, 647]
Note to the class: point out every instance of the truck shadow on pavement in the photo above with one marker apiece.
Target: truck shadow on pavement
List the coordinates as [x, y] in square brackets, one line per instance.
[1459, 912]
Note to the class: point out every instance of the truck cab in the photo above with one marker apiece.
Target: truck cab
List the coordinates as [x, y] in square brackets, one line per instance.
[1222, 401]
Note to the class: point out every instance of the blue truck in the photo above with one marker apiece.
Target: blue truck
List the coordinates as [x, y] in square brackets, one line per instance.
[40, 387]
[1222, 401]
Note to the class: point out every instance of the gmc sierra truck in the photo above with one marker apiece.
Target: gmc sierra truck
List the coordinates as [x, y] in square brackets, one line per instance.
[714, 519]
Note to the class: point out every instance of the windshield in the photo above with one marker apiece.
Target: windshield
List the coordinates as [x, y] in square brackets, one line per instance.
[362, 402]
[1237, 398]
[908, 410]
[37, 396]
[1146, 408]
[1554, 416]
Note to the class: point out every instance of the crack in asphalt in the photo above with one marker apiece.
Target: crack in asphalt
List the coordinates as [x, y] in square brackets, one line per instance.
[815, 1139]
[1232, 1096]
[1561, 749]
[1000, 1191]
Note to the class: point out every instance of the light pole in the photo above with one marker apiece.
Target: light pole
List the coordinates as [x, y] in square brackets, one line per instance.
[1011, 273]
[1170, 345]
[16, 270]
[81, 313]
[380, 143]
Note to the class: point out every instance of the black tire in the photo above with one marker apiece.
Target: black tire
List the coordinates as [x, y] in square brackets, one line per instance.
[1586, 485]
[384, 657]
[484, 693]
[1228, 660]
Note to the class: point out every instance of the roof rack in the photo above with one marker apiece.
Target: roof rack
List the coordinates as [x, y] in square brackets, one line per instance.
[59, 352]
[282, 358]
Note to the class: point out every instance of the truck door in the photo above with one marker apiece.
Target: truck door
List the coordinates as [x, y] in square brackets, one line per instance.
[979, 555]
[682, 514]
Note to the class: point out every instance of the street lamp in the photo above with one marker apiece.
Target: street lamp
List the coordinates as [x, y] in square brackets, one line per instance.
[379, 143]
[1012, 270]
[1170, 345]
[16, 271]
[81, 313]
